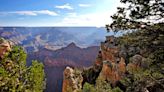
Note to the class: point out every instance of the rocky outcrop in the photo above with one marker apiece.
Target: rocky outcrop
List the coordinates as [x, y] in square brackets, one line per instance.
[111, 64]
[5, 46]
[72, 80]
[137, 61]
[114, 65]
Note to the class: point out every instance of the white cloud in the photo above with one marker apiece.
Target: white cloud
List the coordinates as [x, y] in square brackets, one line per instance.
[93, 19]
[84, 5]
[47, 12]
[98, 18]
[65, 6]
[32, 13]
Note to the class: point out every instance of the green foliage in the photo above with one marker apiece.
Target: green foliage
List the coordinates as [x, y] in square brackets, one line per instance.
[151, 49]
[90, 75]
[102, 85]
[142, 78]
[145, 19]
[1, 40]
[36, 76]
[133, 13]
[117, 89]
[88, 88]
[15, 76]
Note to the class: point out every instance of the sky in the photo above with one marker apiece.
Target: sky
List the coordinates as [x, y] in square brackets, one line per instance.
[57, 12]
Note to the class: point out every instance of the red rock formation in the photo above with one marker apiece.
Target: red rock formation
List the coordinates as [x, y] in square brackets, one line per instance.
[110, 63]
[98, 61]
[5, 46]
[113, 65]
[71, 82]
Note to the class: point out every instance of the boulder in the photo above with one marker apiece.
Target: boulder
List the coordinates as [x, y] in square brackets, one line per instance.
[137, 62]
[5, 46]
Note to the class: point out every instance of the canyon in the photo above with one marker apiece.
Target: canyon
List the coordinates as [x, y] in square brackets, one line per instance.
[114, 70]
[56, 48]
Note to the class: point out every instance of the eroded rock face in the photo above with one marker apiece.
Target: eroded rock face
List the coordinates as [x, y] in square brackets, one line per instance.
[111, 64]
[72, 80]
[5, 46]
[114, 65]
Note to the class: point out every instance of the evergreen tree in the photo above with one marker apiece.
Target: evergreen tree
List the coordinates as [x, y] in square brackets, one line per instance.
[146, 20]
[15, 76]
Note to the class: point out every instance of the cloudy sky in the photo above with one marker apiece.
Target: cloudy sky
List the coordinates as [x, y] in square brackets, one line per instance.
[56, 12]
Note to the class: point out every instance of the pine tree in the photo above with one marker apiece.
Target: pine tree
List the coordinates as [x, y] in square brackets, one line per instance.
[15, 76]
[145, 18]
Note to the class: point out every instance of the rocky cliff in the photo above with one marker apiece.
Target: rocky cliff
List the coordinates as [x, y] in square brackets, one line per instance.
[114, 62]
[114, 65]
[109, 65]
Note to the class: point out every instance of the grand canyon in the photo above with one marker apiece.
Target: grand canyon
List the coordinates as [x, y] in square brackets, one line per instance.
[82, 46]
[56, 48]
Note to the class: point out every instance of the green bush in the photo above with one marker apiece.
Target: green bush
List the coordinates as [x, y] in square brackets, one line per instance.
[88, 88]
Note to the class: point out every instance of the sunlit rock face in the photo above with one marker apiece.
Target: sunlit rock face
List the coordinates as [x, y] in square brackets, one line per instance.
[114, 65]
[72, 80]
[111, 65]
[5, 46]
